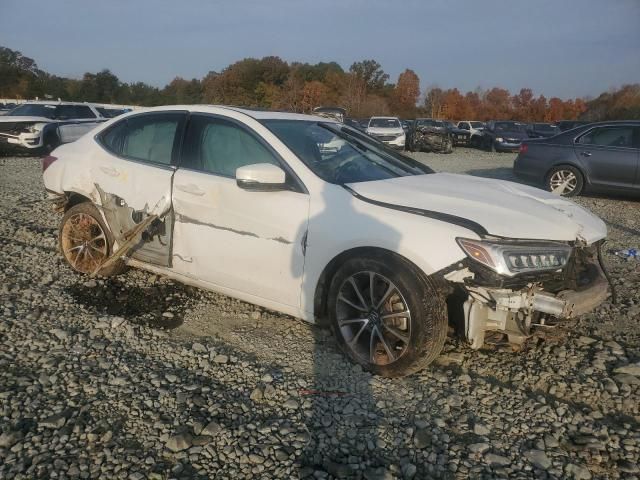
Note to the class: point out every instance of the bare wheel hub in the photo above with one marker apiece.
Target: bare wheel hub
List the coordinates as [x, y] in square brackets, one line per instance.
[373, 318]
[84, 243]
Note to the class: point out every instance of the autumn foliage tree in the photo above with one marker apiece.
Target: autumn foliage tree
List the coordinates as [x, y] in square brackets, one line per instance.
[272, 83]
[406, 93]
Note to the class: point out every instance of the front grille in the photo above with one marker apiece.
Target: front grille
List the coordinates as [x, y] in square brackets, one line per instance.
[386, 138]
[512, 140]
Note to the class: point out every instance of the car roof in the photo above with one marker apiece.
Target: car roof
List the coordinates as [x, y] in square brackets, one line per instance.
[54, 102]
[385, 118]
[253, 113]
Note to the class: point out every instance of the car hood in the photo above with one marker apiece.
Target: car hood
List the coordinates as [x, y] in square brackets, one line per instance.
[384, 131]
[504, 209]
[17, 119]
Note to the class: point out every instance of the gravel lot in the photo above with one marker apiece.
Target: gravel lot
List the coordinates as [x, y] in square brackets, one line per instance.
[139, 377]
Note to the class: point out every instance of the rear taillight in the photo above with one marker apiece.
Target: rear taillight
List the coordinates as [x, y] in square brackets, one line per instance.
[47, 161]
[523, 148]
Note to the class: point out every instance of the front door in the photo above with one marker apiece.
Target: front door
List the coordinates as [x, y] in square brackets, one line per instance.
[609, 156]
[241, 241]
[133, 174]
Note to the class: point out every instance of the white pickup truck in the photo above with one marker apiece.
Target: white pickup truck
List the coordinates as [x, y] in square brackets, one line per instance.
[42, 126]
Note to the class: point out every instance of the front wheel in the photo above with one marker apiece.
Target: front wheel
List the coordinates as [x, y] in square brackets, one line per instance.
[386, 316]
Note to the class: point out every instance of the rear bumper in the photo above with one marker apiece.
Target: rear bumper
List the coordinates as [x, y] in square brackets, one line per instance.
[506, 147]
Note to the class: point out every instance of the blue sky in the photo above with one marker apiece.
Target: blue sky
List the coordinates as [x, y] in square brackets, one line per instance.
[560, 48]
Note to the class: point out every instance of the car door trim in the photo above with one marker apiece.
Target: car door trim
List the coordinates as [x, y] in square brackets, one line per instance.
[443, 217]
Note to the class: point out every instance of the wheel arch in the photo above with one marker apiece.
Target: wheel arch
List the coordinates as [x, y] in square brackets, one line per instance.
[321, 292]
[75, 198]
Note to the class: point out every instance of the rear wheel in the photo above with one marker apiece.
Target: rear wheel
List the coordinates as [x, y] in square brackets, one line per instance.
[85, 242]
[565, 180]
[386, 317]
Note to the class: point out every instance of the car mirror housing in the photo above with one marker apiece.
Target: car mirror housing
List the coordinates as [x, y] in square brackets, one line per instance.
[261, 177]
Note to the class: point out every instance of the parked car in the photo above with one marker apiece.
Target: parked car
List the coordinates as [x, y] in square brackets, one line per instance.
[600, 157]
[6, 108]
[542, 130]
[111, 112]
[364, 238]
[503, 136]
[388, 130]
[459, 136]
[475, 129]
[353, 123]
[565, 125]
[336, 113]
[429, 135]
[39, 127]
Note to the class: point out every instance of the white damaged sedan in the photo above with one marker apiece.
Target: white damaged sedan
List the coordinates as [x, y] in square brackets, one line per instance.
[250, 204]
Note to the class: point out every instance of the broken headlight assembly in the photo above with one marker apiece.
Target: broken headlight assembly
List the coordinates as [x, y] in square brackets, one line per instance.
[33, 127]
[514, 257]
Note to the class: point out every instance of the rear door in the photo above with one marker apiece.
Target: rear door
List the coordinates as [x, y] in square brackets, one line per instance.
[242, 241]
[609, 156]
[133, 174]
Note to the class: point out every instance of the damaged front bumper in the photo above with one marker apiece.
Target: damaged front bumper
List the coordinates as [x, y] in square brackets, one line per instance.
[517, 306]
[22, 140]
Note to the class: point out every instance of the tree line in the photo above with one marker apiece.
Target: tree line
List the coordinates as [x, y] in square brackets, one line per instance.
[271, 83]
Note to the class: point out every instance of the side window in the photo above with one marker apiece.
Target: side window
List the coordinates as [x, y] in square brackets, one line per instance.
[608, 137]
[219, 146]
[82, 111]
[150, 138]
[112, 138]
[65, 112]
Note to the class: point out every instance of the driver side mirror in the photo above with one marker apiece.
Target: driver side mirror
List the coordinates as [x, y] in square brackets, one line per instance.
[261, 177]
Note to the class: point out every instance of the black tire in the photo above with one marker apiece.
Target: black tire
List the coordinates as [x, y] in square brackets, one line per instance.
[50, 143]
[424, 300]
[101, 248]
[565, 169]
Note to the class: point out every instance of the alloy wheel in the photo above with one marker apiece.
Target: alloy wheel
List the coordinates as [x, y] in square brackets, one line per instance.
[563, 182]
[374, 318]
[84, 243]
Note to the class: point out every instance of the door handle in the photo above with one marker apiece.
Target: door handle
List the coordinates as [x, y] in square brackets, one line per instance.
[585, 154]
[191, 189]
[110, 171]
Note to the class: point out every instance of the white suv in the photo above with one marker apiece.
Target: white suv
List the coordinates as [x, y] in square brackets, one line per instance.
[388, 130]
[248, 203]
[474, 128]
[42, 126]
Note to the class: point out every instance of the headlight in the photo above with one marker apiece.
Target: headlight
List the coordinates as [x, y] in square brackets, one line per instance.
[511, 258]
[499, 139]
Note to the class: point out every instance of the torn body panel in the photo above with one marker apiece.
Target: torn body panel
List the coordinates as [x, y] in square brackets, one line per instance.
[153, 243]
